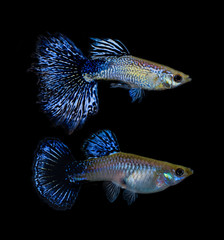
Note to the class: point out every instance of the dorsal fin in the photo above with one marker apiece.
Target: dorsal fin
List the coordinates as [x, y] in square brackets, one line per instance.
[107, 47]
[100, 144]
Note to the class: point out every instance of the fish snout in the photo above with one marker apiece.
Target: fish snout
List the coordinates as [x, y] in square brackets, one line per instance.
[188, 79]
[189, 171]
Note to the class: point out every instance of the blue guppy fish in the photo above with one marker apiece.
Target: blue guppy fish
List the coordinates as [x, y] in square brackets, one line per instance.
[58, 176]
[68, 80]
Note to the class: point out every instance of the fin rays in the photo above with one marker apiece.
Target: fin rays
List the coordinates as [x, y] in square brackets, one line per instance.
[64, 94]
[107, 47]
[129, 196]
[100, 144]
[51, 167]
[112, 191]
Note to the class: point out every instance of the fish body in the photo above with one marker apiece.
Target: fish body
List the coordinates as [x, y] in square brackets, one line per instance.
[58, 176]
[132, 172]
[135, 72]
[68, 80]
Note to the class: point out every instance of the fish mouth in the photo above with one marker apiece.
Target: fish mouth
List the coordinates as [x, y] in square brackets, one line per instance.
[190, 171]
[188, 79]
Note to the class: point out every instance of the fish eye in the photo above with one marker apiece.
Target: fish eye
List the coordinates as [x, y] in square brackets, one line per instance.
[179, 172]
[177, 78]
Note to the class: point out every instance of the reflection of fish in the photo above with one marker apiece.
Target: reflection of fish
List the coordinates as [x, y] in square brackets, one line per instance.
[58, 176]
[68, 87]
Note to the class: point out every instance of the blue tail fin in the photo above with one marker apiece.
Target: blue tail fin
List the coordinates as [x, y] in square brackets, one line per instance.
[53, 162]
[64, 94]
[101, 144]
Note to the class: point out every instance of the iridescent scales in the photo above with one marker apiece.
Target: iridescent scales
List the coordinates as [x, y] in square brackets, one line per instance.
[68, 79]
[59, 182]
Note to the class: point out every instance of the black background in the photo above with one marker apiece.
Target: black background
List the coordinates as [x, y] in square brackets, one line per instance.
[167, 125]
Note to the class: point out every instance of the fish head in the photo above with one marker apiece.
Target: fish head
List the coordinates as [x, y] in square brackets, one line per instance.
[175, 174]
[171, 174]
[171, 78]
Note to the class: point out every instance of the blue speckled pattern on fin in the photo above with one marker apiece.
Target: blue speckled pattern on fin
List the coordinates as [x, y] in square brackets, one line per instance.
[107, 47]
[100, 144]
[52, 165]
[136, 94]
[64, 94]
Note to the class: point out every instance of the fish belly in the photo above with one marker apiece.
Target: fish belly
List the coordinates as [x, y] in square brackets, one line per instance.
[141, 181]
[129, 171]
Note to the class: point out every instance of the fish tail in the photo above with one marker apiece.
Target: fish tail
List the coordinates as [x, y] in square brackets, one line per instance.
[53, 164]
[64, 94]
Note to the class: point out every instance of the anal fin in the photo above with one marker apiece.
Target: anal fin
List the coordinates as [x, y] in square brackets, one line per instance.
[136, 94]
[112, 191]
[119, 85]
